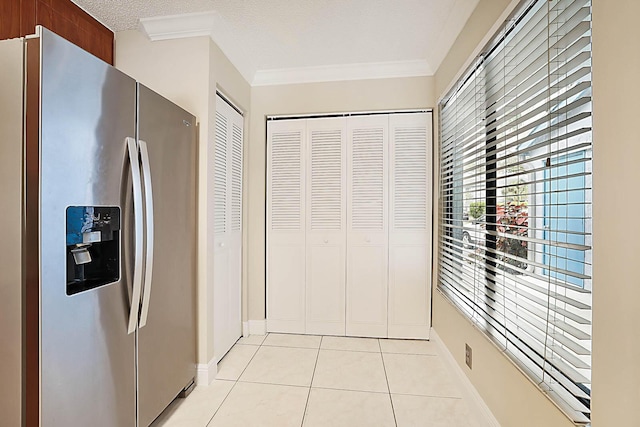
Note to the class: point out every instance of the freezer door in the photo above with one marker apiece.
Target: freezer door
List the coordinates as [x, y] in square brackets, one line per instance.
[87, 367]
[166, 338]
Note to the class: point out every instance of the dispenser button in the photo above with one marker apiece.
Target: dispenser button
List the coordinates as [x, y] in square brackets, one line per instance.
[92, 237]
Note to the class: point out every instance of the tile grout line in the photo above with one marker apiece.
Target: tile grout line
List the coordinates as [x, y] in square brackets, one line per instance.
[411, 354]
[288, 346]
[351, 389]
[306, 404]
[221, 403]
[430, 396]
[276, 384]
[235, 382]
[250, 360]
[393, 411]
[350, 351]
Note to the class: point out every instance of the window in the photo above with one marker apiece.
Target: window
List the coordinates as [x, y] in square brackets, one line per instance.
[515, 188]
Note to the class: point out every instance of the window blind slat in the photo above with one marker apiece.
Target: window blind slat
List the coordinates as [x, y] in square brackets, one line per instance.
[517, 84]
[535, 284]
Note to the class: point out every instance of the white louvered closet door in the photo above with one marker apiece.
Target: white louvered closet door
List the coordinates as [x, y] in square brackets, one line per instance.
[326, 238]
[410, 143]
[234, 215]
[286, 226]
[367, 225]
[227, 250]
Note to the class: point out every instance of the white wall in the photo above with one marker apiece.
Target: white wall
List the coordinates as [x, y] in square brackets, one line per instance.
[616, 177]
[360, 95]
[188, 72]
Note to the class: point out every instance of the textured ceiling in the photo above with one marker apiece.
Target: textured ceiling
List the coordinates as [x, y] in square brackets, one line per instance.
[261, 35]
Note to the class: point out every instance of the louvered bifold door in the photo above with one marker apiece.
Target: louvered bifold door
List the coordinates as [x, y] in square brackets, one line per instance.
[367, 225]
[286, 226]
[220, 240]
[227, 243]
[410, 225]
[326, 231]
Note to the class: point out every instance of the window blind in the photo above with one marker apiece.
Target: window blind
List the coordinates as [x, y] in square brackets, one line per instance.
[515, 189]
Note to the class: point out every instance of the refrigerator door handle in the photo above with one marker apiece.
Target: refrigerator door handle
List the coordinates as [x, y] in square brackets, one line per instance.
[134, 162]
[148, 196]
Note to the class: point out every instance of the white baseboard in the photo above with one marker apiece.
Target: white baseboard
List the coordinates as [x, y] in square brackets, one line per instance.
[206, 373]
[245, 329]
[469, 391]
[257, 327]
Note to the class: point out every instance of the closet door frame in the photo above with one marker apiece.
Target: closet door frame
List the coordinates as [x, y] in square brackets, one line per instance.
[387, 269]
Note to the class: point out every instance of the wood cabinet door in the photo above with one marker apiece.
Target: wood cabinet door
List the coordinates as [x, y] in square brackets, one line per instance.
[18, 18]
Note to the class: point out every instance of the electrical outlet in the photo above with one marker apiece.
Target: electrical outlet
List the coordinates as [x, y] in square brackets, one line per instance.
[468, 355]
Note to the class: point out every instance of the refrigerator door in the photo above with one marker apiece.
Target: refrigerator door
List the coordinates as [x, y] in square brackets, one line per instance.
[166, 338]
[11, 196]
[87, 368]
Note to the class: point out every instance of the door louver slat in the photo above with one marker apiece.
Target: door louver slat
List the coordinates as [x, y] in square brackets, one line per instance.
[286, 201]
[236, 179]
[220, 175]
[410, 178]
[367, 187]
[326, 180]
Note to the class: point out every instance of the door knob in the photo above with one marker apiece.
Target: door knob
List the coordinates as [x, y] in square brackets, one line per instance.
[368, 240]
[326, 240]
[222, 245]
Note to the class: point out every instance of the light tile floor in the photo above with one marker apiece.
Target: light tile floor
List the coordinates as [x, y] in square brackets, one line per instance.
[311, 381]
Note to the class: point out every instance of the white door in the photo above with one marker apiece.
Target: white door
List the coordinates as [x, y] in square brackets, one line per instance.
[286, 226]
[410, 228]
[326, 238]
[367, 226]
[235, 227]
[227, 250]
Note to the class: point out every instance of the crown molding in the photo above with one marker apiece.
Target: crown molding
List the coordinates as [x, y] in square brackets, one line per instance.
[203, 24]
[179, 26]
[330, 73]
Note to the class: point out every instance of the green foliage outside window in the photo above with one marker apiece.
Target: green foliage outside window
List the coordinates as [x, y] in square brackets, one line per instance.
[477, 209]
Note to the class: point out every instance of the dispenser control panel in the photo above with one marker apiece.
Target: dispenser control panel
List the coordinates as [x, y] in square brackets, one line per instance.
[93, 247]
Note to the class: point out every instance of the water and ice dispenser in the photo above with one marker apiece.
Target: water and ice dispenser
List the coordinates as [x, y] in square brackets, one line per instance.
[93, 247]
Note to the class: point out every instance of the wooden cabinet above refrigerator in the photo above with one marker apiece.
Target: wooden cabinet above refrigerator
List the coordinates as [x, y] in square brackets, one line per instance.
[18, 18]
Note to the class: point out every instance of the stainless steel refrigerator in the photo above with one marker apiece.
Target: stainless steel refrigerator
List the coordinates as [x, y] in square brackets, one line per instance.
[97, 255]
